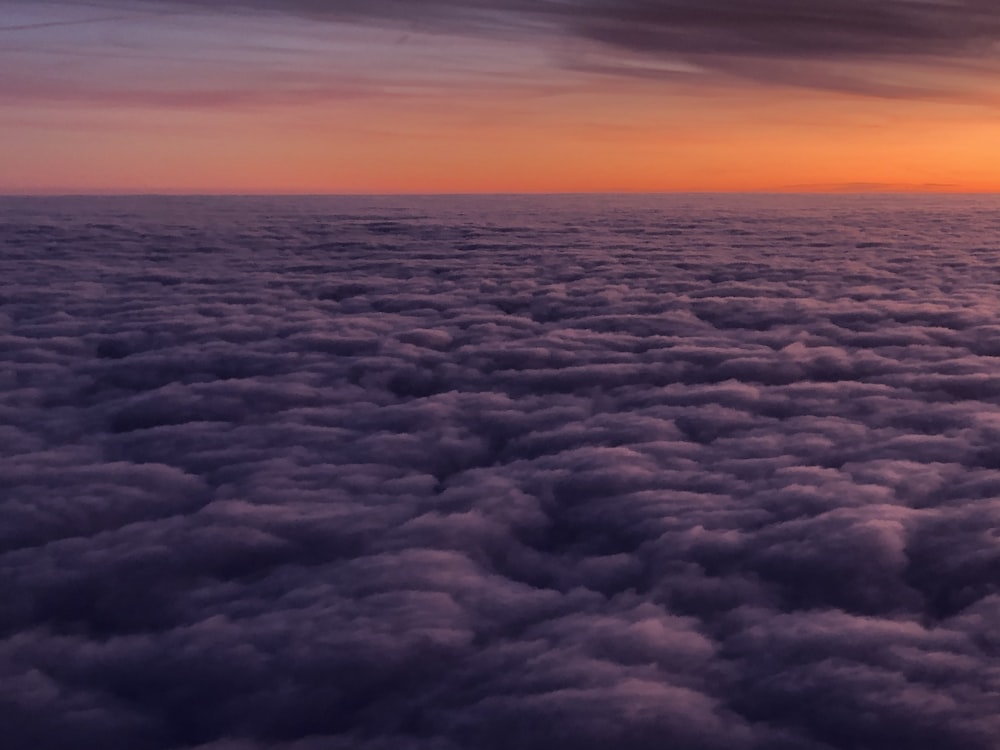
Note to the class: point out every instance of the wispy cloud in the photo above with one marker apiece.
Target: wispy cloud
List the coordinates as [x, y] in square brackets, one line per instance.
[886, 48]
[57, 24]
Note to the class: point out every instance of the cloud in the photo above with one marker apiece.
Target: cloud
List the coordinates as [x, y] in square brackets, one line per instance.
[450, 473]
[845, 45]
[911, 49]
[770, 28]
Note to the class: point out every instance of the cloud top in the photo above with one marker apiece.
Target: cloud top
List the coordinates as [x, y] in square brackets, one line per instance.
[484, 473]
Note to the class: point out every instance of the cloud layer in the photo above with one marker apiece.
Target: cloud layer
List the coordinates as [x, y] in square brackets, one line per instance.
[493, 473]
[768, 28]
[886, 48]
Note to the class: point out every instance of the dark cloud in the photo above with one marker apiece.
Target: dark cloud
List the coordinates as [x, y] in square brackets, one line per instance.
[769, 28]
[848, 45]
[779, 28]
[508, 472]
[886, 48]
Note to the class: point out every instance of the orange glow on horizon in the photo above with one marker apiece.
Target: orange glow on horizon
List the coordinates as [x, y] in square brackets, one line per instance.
[573, 148]
[487, 132]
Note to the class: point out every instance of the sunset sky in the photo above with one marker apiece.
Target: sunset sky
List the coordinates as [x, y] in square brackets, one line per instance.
[401, 96]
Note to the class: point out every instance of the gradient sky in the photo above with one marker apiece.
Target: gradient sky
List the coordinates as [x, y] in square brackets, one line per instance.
[390, 96]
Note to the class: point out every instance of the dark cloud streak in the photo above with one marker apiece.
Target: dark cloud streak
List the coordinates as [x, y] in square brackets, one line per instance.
[763, 40]
[887, 48]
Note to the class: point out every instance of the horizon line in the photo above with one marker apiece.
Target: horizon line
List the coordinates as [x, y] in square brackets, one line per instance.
[846, 191]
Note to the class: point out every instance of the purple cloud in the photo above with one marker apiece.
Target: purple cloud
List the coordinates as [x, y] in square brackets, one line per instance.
[340, 473]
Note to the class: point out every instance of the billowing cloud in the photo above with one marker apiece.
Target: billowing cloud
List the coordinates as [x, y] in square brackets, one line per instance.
[491, 473]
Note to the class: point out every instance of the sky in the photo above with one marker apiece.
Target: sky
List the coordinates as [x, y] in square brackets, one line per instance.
[443, 96]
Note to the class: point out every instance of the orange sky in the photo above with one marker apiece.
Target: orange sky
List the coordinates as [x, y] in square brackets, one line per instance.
[276, 103]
